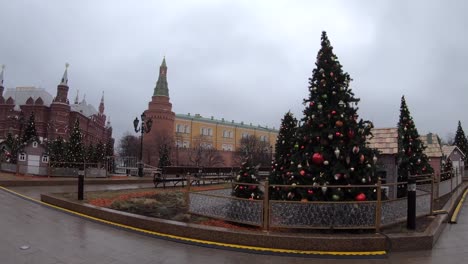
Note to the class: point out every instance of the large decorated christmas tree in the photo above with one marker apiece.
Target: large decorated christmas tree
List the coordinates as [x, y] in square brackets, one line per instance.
[280, 165]
[331, 141]
[247, 174]
[460, 141]
[411, 158]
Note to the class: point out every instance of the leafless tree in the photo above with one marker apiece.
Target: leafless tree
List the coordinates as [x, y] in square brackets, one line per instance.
[257, 150]
[203, 154]
[129, 146]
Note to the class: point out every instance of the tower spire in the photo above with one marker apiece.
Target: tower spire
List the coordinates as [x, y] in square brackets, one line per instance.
[101, 105]
[77, 99]
[161, 88]
[65, 75]
[1, 75]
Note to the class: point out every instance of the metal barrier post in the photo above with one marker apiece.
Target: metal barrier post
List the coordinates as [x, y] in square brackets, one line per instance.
[411, 213]
[81, 183]
[432, 194]
[378, 208]
[187, 195]
[266, 210]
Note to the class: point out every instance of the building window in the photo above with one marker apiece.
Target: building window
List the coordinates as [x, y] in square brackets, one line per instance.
[245, 135]
[45, 159]
[206, 145]
[34, 144]
[227, 147]
[22, 157]
[206, 131]
[263, 138]
[178, 143]
[180, 128]
[227, 134]
[186, 144]
[187, 129]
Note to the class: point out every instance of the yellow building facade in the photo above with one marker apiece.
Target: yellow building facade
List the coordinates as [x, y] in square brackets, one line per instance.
[195, 130]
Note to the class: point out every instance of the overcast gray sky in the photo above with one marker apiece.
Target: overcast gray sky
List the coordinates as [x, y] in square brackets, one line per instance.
[243, 60]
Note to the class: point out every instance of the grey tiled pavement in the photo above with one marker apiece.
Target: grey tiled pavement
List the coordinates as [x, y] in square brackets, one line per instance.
[56, 237]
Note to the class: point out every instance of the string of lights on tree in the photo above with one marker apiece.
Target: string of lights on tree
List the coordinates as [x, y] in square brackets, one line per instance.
[282, 160]
[247, 174]
[330, 144]
[411, 158]
[460, 140]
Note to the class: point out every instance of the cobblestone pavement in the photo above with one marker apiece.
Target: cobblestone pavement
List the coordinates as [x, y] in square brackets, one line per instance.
[51, 237]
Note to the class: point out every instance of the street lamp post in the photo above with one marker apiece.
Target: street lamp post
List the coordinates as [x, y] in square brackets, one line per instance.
[145, 127]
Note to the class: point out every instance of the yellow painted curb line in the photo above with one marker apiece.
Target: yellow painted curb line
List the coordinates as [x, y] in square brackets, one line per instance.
[209, 243]
[458, 208]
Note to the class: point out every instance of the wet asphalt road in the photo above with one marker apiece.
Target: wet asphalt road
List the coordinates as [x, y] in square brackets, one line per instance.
[56, 237]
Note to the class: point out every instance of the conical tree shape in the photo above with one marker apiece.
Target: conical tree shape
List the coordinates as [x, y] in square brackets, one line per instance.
[331, 143]
[164, 156]
[57, 152]
[411, 157]
[30, 132]
[247, 174]
[447, 170]
[461, 141]
[99, 152]
[90, 154]
[284, 144]
[75, 150]
[13, 146]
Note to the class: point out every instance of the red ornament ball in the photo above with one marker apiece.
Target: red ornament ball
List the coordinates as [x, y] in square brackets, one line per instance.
[317, 158]
[337, 134]
[302, 172]
[310, 191]
[333, 112]
[241, 187]
[252, 187]
[361, 197]
[351, 133]
[245, 174]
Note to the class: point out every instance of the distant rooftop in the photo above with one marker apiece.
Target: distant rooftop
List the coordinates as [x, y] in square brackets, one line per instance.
[447, 150]
[433, 148]
[198, 117]
[386, 141]
[21, 94]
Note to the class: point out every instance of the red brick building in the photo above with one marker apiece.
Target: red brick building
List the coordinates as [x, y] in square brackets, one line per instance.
[54, 116]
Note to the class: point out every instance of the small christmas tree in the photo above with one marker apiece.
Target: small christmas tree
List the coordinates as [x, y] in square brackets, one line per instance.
[284, 144]
[460, 141]
[247, 174]
[30, 132]
[447, 170]
[331, 142]
[90, 154]
[411, 158]
[99, 153]
[57, 151]
[75, 150]
[12, 148]
[164, 156]
[109, 147]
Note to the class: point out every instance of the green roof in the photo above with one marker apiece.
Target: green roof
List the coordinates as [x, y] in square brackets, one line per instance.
[223, 122]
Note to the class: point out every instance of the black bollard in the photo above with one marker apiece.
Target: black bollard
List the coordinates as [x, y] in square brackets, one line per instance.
[411, 215]
[80, 185]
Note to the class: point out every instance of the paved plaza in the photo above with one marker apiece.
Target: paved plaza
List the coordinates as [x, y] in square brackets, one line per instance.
[51, 236]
